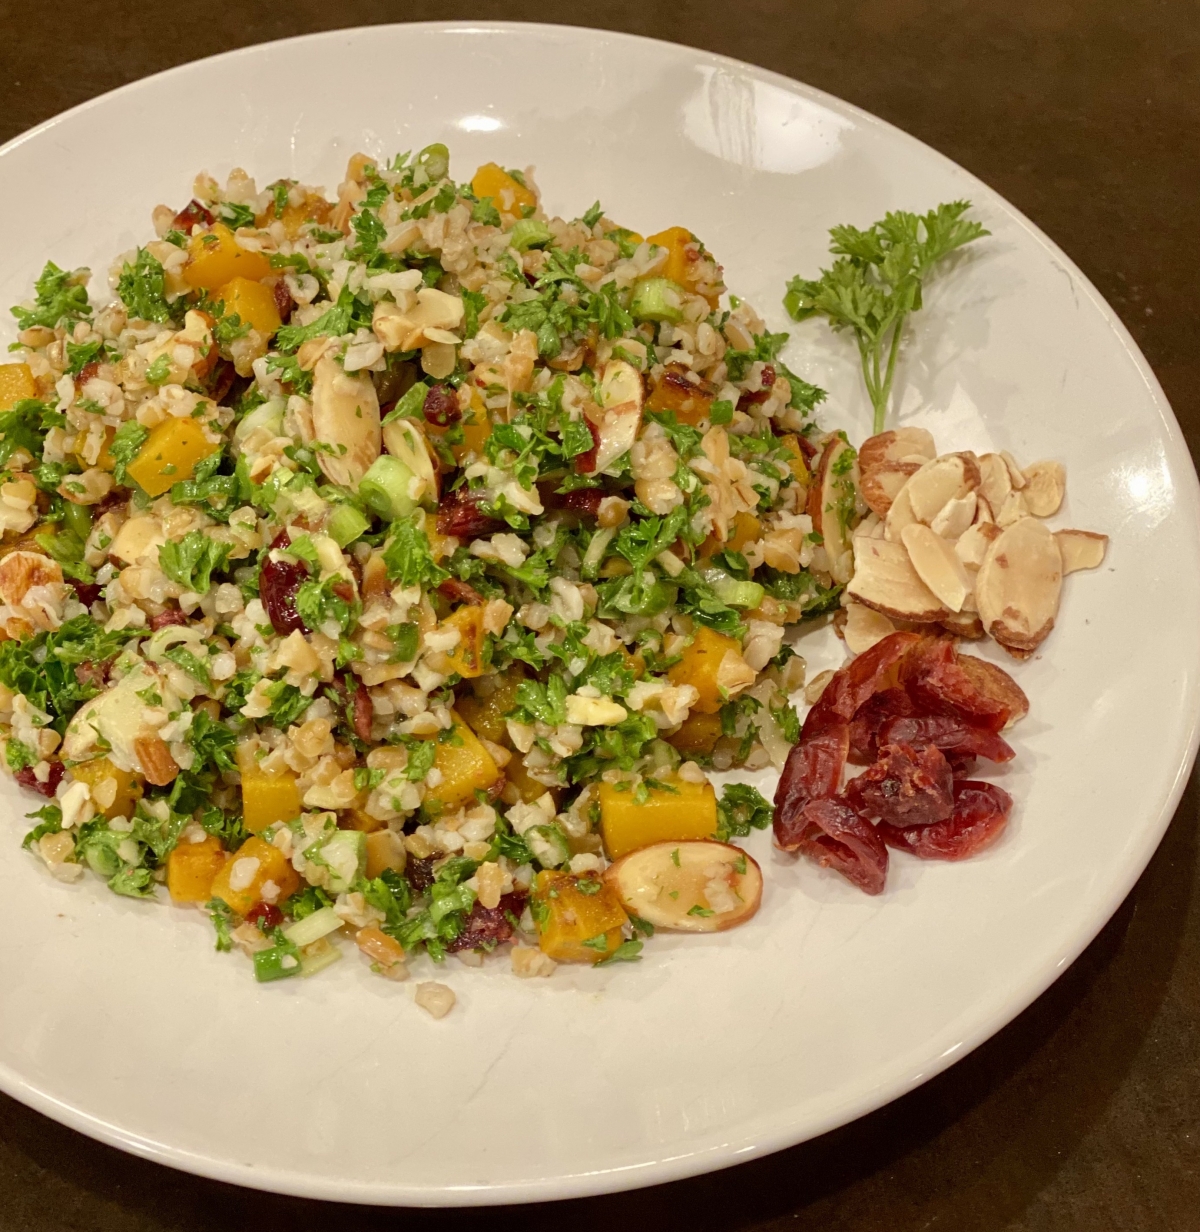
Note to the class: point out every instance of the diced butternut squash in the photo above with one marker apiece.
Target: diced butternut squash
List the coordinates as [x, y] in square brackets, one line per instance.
[508, 196]
[465, 766]
[677, 811]
[574, 924]
[698, 735]
[440, 546]
[268, 799]
[796, 462]
[672, 391]
[486, 709]
[16, 382]
[385, 849]
[699, 666]
[253, 303]
[467, 657]
[215, 257]
[193, 867]
[314, 209]
[746, 529]
[257, 872]
[170, 455]
[359, 819]
[115, 792]
[528, 788]
[675, 240]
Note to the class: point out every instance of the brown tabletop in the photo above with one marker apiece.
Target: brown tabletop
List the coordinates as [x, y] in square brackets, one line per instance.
[1085, 1112]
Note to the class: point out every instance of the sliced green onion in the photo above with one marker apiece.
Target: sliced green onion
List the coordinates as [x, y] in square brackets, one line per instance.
[78, 519]
[346, 524]
[313, 927]
[594, 556]
[657, 299]
[434, 160]
[278, 963]
[529, 233]
[384, 488]
[730, 591]
[548, 844]
[317, 957]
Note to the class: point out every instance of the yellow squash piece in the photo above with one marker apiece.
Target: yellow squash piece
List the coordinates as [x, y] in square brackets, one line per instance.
[170, 455]
[678, 811]
[467, 657]
[699, 666]
[215, 257]
[508, 196]
[192, 868]
[576, 925]
[466, 767]
[796, 462]
[528, 788]
[272, 866]
[114, 791]
[16, 382]
[266, 798]
[675, 240]
[486, 712]
[385, 849]
[253, 303]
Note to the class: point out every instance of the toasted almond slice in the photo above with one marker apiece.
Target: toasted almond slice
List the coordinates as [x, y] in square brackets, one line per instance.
[1081, 549]
[947, 478]
[1013, 509]
[963, 624]
[955, 516]
[983, 511]
[871, 527]
[1015, 473]
[1046, 488]
[880, 486]
[832, 499]
[864, 627]
[884, 579]
[345, 418]
[995, 482]
[621, 395]
[937, 565]
[694, 887]
[1018, 586]
[972, 545]
[899, 516]
[887, 460]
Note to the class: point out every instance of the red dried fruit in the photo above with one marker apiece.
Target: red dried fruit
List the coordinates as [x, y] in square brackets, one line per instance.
[870, 718]
[836, 837]
[441, 406]
[768, 383]
[861, 679]
[283, 301]
[94, 675]
[28, 779]
[265, 915]
[88, 592]
[812, 771]
[419, 873]
[278, 582]
[584, 501]
[488, 926]
[461, 517]
[170, 616]
[220, 381]
[981, 811]
[905, 787]
[85, 374]
[956, 738]
[937, 682]
[192, 214]
[460, 592]
[362, 712]
[585, 462]
[114, 498]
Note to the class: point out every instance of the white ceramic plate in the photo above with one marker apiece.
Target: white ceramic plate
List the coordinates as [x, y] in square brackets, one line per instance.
[120, 1020]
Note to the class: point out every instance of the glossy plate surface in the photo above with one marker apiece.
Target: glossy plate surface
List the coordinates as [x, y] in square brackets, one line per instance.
[120, 1020]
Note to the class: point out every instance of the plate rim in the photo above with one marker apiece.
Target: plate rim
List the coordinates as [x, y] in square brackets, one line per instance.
[687, 1164]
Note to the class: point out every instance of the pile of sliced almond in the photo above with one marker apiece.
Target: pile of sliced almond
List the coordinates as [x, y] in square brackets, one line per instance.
[958, 540]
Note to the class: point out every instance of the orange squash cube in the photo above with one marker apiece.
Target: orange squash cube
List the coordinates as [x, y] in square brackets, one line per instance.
[675, 240]
[255, 867]
[676, 812]
[267, 799]
[253, 303]
[576, 925]
[467, 657]
[215, 257]
[16, 383]
[508, 196]
[114, 791]
[486, 711]
[528, 788]
[192, 868]
[385, 849]
[796, 461]
[672, 391]
[314, 209]
[170, 455]
[699, 666]
[698, 735]
[465, 765]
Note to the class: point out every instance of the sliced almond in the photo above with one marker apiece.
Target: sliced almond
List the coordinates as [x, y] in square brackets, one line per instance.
[899, 516]
[972, 545]
[879, 487]
[937, 565]
[964, 624]
[1046, 487]
[955, 516]
[947, 478]
[1018, 586]
[832, 504]
[621, 395]
[884, 579]
[693, 887]
[871, 527]
[1081, 549]
[1015, 474]
[995, 481]
[864, 627]
[345, 417]
[983, 511]
[887, 460]
[1013, 509]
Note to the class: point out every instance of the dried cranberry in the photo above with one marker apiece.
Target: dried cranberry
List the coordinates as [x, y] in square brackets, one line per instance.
[362, 712]
[114, 498]
[461, 517]
[460, 592]
[905, 787]
[871, 717]
[586, 462]
[220, 381]
[86, 373]
[265, 915]
[27, 778]
[441, 406]
[488, 925]
[836, 837]
[956, 738]
[762, 394]
[190, 215]
[278, 582]
[585, 501]
[171, 616]
[94, 675]
[813, 771]
[939, 685]
[419, 873]
[88, 592]
[283, 301]
[981, 812]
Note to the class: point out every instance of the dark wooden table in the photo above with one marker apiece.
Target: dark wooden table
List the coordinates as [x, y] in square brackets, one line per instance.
[1085, 1112]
